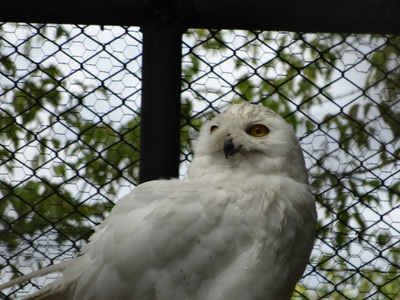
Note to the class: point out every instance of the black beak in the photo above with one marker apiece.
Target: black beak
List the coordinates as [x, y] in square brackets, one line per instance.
[229, 147]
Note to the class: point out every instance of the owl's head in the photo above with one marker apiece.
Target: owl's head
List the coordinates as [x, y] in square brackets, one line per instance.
[249, 135]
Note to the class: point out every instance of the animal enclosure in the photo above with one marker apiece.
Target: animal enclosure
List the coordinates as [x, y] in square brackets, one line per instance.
[71, 136]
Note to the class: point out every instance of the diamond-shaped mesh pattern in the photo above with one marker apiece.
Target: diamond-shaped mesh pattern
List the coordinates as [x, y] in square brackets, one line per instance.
[69, 138]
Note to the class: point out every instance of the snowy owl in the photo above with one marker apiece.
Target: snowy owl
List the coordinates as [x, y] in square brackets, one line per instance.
[240, 226]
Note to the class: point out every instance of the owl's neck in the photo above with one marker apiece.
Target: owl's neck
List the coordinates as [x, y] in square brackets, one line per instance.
[242, 168]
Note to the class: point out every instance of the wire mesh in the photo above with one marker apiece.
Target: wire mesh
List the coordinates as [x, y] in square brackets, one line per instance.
[69, 133]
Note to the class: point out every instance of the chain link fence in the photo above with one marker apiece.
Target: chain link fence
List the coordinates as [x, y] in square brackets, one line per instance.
[69, 138]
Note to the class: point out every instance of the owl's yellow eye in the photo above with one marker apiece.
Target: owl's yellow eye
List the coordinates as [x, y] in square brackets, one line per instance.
[258, 130]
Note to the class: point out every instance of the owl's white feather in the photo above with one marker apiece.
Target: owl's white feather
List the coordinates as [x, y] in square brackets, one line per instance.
[240, 226]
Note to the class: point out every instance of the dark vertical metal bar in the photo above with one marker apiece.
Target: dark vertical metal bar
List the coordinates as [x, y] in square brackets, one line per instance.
[160, 109]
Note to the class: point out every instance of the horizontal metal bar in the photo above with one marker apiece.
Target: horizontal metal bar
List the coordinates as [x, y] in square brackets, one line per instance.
[345, 16]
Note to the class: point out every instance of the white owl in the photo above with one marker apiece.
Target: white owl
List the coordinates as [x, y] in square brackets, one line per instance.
[240, 226]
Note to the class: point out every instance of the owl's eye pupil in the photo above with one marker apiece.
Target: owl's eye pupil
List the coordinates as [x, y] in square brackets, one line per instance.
[258, 130]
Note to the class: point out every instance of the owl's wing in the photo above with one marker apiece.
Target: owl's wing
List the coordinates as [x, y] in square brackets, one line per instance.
[162, 250]
[202, 240]
[192, 240]
[160, 233]
[126, 218]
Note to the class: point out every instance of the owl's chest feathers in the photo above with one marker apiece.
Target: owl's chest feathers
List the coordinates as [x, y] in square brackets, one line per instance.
[262, 205]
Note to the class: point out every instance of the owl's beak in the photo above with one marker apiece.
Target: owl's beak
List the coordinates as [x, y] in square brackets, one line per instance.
[229, 146]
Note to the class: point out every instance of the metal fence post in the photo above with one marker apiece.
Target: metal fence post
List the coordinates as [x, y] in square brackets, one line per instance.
[160, 108]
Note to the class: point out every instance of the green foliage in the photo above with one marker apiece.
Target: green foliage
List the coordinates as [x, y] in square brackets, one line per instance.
[35, 206]
[98, 151]
[338, 285]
